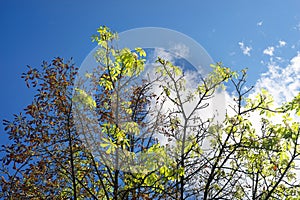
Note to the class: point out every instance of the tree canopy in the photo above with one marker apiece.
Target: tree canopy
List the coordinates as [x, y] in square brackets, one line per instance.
[122, 132]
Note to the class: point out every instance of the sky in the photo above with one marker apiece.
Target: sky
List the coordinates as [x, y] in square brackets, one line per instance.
[262, 35]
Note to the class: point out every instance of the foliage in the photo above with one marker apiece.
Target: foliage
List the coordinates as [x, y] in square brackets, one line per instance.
[95, 137]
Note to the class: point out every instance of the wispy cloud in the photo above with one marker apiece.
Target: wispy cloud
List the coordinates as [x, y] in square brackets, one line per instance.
[180, 50]
[245, 49]
[283, 83]
[164, 54]
[232, 53]
[175, 51]
[282, 43]
[260, 23]
[215, 110]
[297, 27]
[269, 51]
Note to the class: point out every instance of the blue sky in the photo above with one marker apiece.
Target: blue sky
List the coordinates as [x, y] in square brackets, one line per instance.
[263, 35]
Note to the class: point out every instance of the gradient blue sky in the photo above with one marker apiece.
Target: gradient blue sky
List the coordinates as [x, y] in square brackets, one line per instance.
[240, 33]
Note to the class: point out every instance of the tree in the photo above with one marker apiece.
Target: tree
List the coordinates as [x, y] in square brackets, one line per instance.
[95, 137]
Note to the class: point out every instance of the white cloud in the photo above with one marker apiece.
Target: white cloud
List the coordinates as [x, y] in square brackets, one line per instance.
[279, 59]
[269, 51]
[162, 53]
[216, 108]
[245, 49]
[282, 43]
[176, 51]
[180, 50]
[282, 83]
[259, 23]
